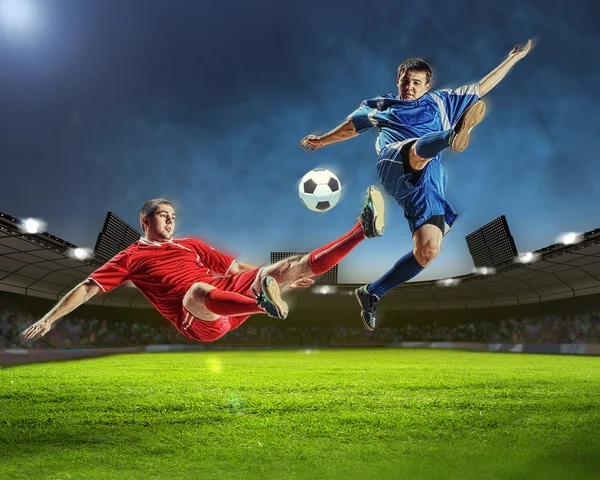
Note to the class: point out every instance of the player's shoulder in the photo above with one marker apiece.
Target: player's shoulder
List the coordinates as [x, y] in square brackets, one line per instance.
[381, 102]
[131, 248]
[467, 89]
[372, 101]
[125, 255]
[385, 98]
[440, 92]
[185, 240]
[191, 242]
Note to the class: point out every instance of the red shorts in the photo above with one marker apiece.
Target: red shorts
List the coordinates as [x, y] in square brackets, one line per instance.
[209, 331]
[240, 283]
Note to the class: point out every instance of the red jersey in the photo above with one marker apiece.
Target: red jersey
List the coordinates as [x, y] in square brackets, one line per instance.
[163, 272]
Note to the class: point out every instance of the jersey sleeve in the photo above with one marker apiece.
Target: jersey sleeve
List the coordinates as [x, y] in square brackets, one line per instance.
[113, 273]
[453, 103]
[362, 117]
[215, 261]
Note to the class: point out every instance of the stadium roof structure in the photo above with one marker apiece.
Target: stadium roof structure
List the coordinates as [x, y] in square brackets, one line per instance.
[555, 272]
[41, 265]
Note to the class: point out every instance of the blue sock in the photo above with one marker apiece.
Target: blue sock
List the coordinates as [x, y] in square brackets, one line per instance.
[428, 146]
[405, 269]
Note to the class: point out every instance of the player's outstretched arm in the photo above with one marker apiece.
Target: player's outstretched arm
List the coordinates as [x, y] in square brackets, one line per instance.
[492, 78]
[342, 132]
[79, 295]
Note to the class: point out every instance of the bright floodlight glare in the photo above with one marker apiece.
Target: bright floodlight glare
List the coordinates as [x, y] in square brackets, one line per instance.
[526, 257]
[80, 253]
[32, 225]
[18, 15]
[569, 238]
[486, 271]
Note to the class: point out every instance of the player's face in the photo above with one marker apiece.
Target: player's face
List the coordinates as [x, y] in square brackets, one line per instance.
[161, 225]
[412, 84]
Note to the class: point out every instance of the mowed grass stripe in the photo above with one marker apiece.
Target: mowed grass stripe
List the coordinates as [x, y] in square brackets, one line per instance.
[377, 413]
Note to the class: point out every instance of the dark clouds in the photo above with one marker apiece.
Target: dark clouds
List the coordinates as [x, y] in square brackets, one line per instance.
[204, 102]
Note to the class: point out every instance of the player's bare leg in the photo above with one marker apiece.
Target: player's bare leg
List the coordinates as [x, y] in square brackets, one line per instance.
[195, 299]
[428, 242]
[208, 303]
[370, 224]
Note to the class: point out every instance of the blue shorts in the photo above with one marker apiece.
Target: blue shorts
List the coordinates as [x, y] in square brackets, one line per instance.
[421, 199]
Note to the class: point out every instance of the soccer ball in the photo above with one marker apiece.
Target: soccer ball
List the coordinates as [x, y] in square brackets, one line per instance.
[319, 190]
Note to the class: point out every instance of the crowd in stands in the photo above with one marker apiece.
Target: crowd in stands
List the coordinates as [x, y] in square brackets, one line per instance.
[79, 332]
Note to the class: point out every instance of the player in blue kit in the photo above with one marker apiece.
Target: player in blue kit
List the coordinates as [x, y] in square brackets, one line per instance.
[414, 128]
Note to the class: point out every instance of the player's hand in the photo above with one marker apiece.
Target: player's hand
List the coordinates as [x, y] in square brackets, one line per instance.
[37, 330]
[302, 283]
[311, 142]
[518, 53]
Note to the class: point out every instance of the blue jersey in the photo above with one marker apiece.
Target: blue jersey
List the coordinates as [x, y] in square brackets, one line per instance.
[399, 121]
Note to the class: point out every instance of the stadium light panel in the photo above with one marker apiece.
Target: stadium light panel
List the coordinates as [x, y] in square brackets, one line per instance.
[80, 253]
[569, 238]
[528, 257]
[32, 225]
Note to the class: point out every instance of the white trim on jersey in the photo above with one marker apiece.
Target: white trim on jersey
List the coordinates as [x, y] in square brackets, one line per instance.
[160, 244]
[231, 265]
[371, 116]
[440, 103]
[187, 320]
[472, 89]
[180, 246]
[398, 145]
[156, 244]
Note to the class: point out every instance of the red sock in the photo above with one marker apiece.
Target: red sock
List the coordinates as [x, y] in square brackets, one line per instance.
[328, 256]
[230, 303]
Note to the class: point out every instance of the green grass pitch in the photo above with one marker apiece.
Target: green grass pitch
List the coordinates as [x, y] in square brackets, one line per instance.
[297, 414]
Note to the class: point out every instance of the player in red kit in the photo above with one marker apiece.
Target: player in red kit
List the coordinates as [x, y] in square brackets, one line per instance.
[177, 275]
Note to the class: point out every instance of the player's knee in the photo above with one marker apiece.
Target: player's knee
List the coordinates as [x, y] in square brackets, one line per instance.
[198, 291]
[286, 265]
[415, 160]
[426, 253]
[296, 260]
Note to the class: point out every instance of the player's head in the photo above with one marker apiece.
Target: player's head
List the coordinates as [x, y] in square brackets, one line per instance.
[157, 218]
[414, 78]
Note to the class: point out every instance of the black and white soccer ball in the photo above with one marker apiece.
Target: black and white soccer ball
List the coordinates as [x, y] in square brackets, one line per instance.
[320, 190]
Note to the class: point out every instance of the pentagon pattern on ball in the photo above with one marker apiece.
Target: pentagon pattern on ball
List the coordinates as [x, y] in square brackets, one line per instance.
[319, 190]
[309, 186]
[334, 184]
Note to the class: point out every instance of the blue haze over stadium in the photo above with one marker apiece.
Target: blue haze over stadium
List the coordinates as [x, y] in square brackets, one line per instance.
[104, 105]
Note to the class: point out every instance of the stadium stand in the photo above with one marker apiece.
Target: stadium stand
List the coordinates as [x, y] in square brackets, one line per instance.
[40, 265]
[551, 299]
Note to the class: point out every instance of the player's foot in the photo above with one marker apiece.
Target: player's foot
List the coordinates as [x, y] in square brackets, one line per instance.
[371, 217]
[471, 117]
[269, 299]
[368, 305]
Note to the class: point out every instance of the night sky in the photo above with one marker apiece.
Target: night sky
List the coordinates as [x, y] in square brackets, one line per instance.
[105, 104]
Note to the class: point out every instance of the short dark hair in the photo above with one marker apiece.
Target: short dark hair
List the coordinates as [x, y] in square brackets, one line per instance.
[150, 207]
[417, 64]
